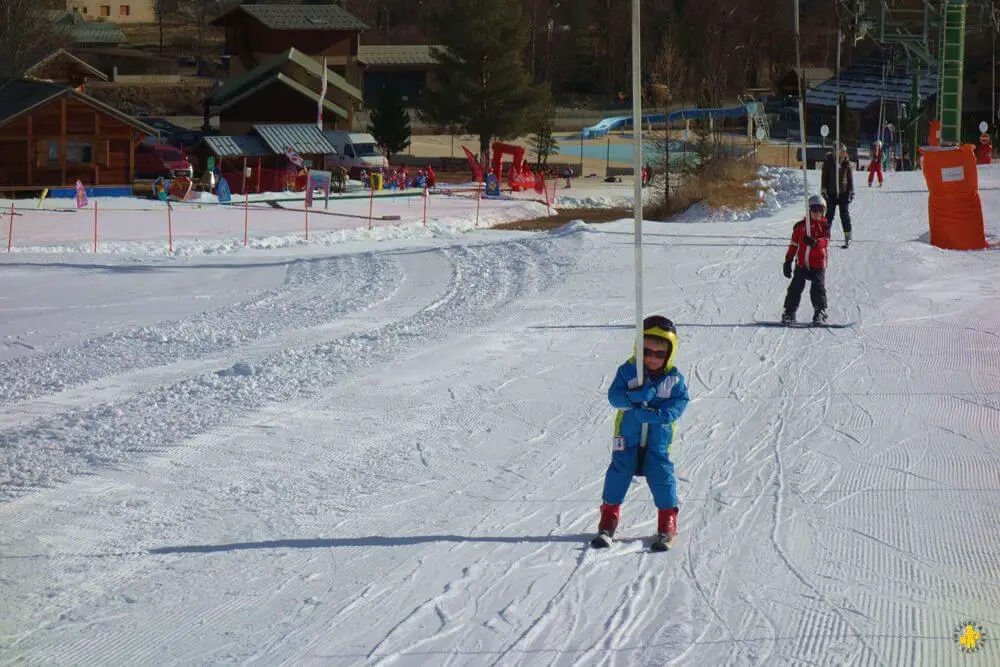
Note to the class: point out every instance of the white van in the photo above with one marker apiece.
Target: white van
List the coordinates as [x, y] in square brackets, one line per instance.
[355, 151]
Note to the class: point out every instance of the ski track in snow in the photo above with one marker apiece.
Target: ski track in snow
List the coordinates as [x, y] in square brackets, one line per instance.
[404, 466]
[151, 420]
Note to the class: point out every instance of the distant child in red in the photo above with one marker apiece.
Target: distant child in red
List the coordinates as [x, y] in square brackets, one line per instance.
[875, 165]
[810, 253]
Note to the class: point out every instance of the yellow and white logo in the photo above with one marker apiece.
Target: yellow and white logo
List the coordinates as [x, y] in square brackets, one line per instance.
[969, 636]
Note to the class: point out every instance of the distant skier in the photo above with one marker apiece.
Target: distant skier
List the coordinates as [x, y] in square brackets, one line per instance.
[810, 252]
[875, 164]
[658, 402]
[838, 190]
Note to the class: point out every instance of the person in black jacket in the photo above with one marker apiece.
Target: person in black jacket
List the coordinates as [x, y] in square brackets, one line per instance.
[838, 190]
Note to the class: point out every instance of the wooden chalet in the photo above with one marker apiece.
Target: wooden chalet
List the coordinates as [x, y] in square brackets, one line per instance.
[276, 64]
[285, 89]
[406, 68]
[52, 135]
[61, 66]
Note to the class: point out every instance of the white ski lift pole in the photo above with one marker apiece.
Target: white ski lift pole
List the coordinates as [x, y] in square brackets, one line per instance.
[802, 118]
[637, 194]
[637, 184]
[836, 150]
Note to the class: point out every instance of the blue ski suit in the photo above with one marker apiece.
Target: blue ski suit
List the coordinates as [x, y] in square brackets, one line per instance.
[660, 413]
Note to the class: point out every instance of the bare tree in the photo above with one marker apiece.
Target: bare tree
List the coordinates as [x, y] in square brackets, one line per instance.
[27, 35]
[162, 9]
[199, 13]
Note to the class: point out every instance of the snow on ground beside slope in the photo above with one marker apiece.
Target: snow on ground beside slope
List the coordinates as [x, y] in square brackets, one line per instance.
[413, 482]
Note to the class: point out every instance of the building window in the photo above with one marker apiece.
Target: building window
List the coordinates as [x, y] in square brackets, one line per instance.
[105, 10]
[124, 10]
[79, 152]
[53, 154]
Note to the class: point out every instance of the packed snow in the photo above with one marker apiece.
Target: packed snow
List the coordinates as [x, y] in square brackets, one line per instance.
[387, 445]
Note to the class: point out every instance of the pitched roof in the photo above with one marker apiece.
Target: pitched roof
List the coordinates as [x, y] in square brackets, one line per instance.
[297, 17]
[81, 31]
[63, 54]
[267, 73]
[283, 79]
[21, 96]
[403, 54]
[862, 86]
[305, 139]
[237, 146]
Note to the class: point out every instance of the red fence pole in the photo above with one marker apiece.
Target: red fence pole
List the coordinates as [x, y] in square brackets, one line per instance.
[479, 198]
[246, 216]
[170, 228]
[95, 225]
[10, 230]
[425, 206]
[307, 223]
[371, 206]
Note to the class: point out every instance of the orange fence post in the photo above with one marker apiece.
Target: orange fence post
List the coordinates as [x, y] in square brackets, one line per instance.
[307, 223]
[170, 228]
[425, 206]
[95, 225]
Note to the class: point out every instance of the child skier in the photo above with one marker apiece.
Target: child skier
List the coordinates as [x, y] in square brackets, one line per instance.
[875, 164]
[810, 252]
[658, 402]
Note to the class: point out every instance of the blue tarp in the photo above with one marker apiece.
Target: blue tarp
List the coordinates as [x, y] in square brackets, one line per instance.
[618, 122]
[99, 191]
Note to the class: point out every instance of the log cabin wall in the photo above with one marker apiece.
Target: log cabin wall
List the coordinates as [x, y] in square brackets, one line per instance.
[65, 140]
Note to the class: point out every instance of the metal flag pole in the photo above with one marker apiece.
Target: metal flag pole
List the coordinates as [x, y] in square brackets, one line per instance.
[637, 184]
[802, 118]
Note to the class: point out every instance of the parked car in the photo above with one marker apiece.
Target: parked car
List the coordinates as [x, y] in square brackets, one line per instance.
[355, 151]
[153, 160]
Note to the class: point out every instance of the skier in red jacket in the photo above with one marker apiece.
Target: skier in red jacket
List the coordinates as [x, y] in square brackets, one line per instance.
[875, 164]
[810, 252]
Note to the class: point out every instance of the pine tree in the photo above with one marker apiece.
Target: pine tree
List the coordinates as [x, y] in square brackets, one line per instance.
[542, 124]
[483, 88]
[390, 123]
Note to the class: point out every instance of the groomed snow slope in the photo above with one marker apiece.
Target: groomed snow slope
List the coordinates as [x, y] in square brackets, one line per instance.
[392, 452]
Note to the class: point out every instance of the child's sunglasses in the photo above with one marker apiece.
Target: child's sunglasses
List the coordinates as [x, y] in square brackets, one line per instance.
[818, 208]
[656, 354]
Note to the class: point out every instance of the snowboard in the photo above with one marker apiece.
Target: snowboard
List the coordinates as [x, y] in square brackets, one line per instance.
[804, 325]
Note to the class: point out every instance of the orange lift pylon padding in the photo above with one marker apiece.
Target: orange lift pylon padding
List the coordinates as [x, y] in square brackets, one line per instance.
[953, 204]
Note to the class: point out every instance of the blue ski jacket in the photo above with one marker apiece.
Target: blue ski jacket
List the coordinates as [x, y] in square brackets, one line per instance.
[663, 411]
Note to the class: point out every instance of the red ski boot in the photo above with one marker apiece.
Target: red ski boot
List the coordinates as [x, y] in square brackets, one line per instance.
[666, 530]
[607, 526]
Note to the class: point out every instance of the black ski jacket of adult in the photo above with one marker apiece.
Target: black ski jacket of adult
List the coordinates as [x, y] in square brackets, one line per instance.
[830, 186]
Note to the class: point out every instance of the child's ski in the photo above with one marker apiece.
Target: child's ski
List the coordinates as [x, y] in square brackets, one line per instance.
[602, 541]
[804, 325]
[661, 543]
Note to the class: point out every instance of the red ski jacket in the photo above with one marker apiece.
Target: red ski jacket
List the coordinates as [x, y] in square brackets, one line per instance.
[806, 257]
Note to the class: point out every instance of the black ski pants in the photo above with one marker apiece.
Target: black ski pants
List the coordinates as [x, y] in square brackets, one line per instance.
[843, 200]
[817, 290]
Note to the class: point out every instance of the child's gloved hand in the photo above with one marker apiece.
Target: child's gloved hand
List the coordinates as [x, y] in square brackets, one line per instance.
[643, 394]
[786, 268]
[647, 416]
[850, 197]
[811, 241]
